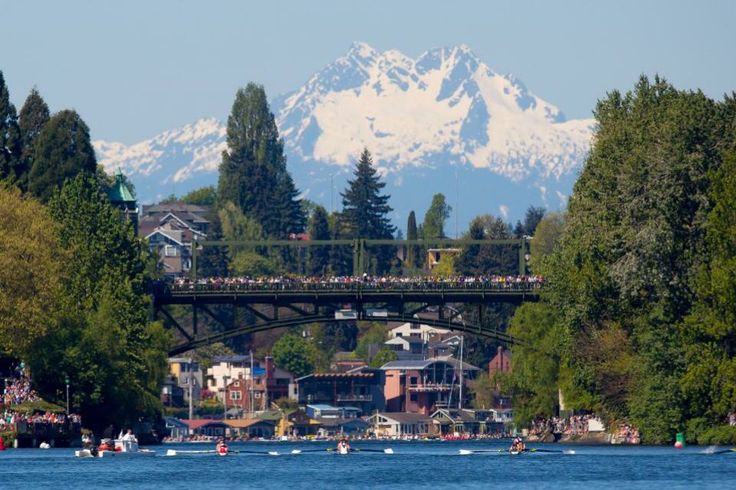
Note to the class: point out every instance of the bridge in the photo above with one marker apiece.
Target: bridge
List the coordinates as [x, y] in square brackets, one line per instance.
[280, 302]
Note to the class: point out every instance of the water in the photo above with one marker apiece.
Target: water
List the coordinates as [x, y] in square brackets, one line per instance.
[414, 465]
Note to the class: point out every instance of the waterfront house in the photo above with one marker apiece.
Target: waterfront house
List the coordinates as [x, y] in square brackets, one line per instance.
[362, 387]
[251, 428]
[330, 427]
[323, 411]
[426, 385]
[206, 427]
[398, 424]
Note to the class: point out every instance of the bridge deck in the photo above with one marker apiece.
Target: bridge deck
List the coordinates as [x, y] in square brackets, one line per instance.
[347, 293]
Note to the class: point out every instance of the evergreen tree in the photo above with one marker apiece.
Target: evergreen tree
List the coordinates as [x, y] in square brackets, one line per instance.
[365, 210]
[533, 216]
[10, 141]
[253, 171]
[63, 150]
[413, 252]
[434, 219]
[319, 229]
[33, 117]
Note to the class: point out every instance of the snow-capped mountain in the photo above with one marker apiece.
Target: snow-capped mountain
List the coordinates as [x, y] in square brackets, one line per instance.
[444, 122]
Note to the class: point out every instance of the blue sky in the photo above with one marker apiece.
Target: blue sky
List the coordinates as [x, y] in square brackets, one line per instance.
[135, 68]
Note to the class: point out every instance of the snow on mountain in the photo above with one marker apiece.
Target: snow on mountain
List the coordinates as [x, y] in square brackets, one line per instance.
[446, 102]
[431, 123]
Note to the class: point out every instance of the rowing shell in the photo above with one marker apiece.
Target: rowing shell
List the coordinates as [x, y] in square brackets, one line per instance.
[466, 452]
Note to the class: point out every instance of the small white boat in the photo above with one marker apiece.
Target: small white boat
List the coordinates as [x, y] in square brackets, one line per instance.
[123, 448]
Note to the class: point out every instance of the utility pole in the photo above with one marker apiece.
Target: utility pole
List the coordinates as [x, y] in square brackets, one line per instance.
[460, 403]
[191, 405]
[252, 401]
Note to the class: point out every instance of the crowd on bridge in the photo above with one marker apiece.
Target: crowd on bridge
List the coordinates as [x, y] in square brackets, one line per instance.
[284, 282]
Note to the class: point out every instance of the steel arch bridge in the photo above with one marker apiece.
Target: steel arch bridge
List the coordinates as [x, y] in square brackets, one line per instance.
[287, 305]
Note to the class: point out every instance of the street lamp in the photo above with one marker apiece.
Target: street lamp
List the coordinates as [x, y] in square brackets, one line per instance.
[66, 380]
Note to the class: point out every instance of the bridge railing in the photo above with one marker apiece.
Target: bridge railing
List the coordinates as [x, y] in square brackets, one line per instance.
[204, 287]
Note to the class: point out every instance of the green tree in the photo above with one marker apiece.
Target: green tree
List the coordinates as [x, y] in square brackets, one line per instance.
[532, 218]
[31, 278]
[413, 253]
[383, 356]
[253, 171]
[294, 354]
[63, 150]
[113, 356]
[365, 210]
[10, 142]
[319, 229]
[434, 219]
[709, 382]
[204, 196]
[33, 117]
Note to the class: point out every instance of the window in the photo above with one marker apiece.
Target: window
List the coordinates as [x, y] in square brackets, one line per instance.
[235, 395]
[413, 380]
[170, 251]
[415, 326]
[258, 394]
[236, 384]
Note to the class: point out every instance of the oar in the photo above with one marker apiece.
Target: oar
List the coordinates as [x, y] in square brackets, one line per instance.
[388, 450]
[723, 451]
[466, 452]
[241, 451]
[179, 452]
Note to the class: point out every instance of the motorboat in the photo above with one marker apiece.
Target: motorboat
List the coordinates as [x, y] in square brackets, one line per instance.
[122, 448]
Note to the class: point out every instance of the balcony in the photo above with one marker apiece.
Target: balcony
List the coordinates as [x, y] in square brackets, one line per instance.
[427, 387]
[348, 397]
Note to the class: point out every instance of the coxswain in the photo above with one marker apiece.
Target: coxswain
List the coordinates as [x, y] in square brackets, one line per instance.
[221, 447]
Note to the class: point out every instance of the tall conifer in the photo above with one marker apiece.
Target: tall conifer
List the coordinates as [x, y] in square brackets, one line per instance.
[62, 151]
[10, 143]
[33, 116]
[253, 171]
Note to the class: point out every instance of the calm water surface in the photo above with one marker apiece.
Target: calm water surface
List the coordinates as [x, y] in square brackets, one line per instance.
[414, 465]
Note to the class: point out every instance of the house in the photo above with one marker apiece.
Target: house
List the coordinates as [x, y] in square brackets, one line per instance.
[176, 429]
[225, 368]
[257, 390]
[362, 387]
[467, 421]
[183, 371]
[330, 427]
[323, 411]
[400, 424]
[444, 345]
[297, 424]
[416, 329]
[172, 395]
[426, 385]
[171, 229]
[410, 346]
[206, 427]
[501, 362]
[251, 428]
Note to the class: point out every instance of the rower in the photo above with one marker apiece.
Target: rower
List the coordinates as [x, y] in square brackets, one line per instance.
[221, 448]
[343, 447]
[517, 446]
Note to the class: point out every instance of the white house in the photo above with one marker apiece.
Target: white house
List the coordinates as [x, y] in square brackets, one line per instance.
[400, 424]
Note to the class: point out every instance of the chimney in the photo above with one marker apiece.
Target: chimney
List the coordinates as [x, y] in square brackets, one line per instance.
[270, 368]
